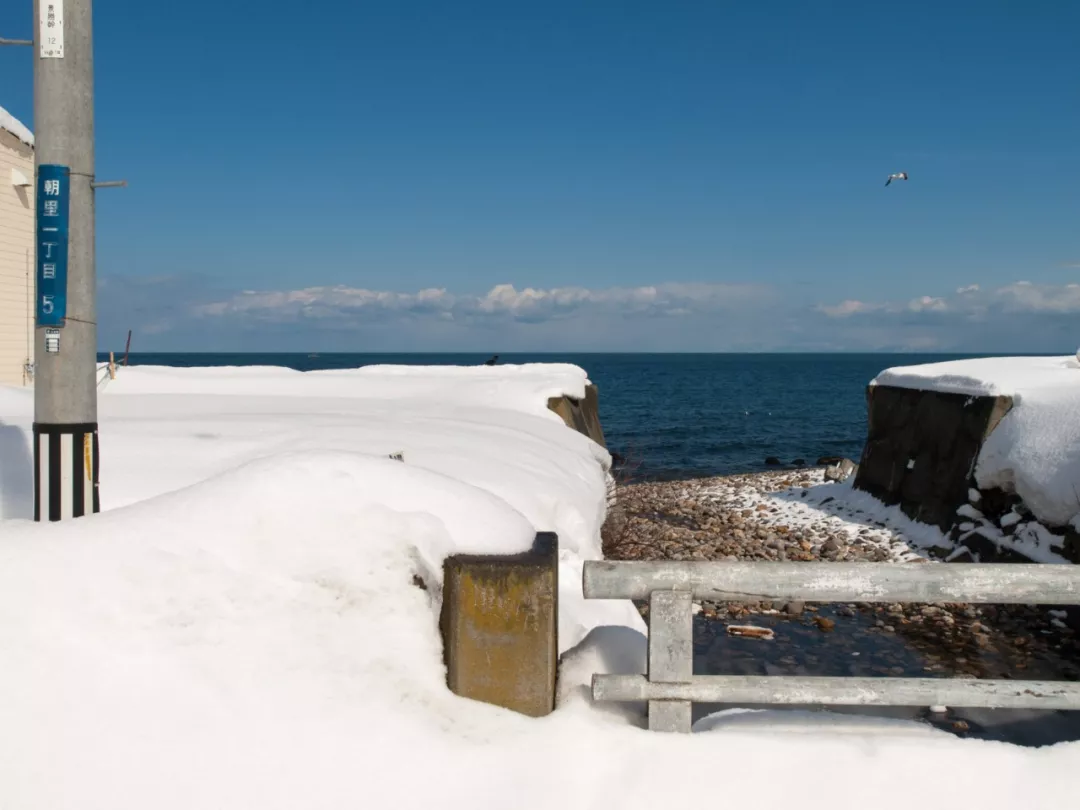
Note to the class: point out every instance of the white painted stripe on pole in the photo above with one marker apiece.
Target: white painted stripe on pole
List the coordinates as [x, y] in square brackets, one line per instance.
[88, 474]
[43, 476]
[808, 691]
[67, 472]
[989, 583]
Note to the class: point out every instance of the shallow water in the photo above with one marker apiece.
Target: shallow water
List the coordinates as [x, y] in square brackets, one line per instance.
[856, 646]
[800, 647]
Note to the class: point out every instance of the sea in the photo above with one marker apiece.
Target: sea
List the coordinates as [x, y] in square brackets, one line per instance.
[676, 416]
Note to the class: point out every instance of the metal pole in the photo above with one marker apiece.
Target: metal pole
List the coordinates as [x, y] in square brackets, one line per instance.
[65, 393]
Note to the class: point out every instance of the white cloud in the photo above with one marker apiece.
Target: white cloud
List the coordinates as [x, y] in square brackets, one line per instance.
[928, 304]
[1023, 296]
[502, 301]
[847, 308]
[1018, 317]
[1020, 297]
[187, 313]
[320, 302]
[850, 307]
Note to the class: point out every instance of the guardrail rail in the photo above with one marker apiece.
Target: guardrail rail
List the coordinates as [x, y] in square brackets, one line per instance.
[670, 687]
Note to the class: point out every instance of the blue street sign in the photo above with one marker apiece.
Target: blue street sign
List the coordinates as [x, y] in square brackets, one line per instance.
[52, 244]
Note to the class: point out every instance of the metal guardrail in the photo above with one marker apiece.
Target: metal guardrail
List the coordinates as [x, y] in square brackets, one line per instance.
[670, 687]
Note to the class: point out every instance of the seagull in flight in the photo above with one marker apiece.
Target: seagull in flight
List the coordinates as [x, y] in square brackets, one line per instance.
[896, 176]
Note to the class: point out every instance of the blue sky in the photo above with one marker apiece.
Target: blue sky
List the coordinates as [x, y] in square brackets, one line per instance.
[660, 176]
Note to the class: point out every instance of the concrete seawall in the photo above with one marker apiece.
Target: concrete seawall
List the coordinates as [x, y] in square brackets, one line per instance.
[583, 415]
[921, 448]
[920, 454]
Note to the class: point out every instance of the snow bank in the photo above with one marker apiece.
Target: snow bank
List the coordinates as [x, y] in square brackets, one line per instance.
[1035, 450]
[985, 376]
[240, 628]
[163, 429]
[523, 388]
[16, 127]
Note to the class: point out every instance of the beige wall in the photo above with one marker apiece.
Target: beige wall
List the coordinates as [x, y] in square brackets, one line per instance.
[16, 260]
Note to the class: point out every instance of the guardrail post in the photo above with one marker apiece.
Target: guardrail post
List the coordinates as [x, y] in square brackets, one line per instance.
[671, 655]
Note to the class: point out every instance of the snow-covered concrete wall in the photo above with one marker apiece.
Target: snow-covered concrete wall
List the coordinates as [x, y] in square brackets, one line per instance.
[583, 415]
[986, 449]
[921, 448]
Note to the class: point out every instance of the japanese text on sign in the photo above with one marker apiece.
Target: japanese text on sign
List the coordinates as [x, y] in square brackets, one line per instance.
[52, 244]
[51, 29]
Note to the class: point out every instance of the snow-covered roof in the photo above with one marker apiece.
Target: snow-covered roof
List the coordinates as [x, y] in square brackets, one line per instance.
[16, 127]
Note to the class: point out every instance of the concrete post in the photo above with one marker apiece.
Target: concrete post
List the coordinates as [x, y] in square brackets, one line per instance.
[65, 395]
[500, 626]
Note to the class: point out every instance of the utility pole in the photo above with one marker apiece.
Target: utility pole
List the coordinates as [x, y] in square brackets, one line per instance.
[65, 344]
[65, 385]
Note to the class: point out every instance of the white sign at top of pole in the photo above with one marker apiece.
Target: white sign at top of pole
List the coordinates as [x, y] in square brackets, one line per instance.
[51, 34]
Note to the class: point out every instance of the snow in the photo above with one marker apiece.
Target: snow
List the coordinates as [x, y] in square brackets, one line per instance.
[957, 552]
[194, 424]
[13, 125]
[240, 628]
[969, 511]
[1035, 542]
[1035, 450]
[1010, 519]
[835, 509]
[524, 388]
[985, 376]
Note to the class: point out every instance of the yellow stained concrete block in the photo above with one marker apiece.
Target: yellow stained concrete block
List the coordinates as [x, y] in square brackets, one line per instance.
[500, 627]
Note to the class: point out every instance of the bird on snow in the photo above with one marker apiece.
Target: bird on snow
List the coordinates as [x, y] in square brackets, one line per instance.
[896, 176]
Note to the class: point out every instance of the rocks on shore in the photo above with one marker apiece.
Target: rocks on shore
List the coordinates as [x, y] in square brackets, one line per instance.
[841, 470]
[779, 515]
[794, 515]
[774, 461]
[996, 526]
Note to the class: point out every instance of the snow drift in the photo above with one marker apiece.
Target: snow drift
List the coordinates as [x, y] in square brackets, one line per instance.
[240, 628]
